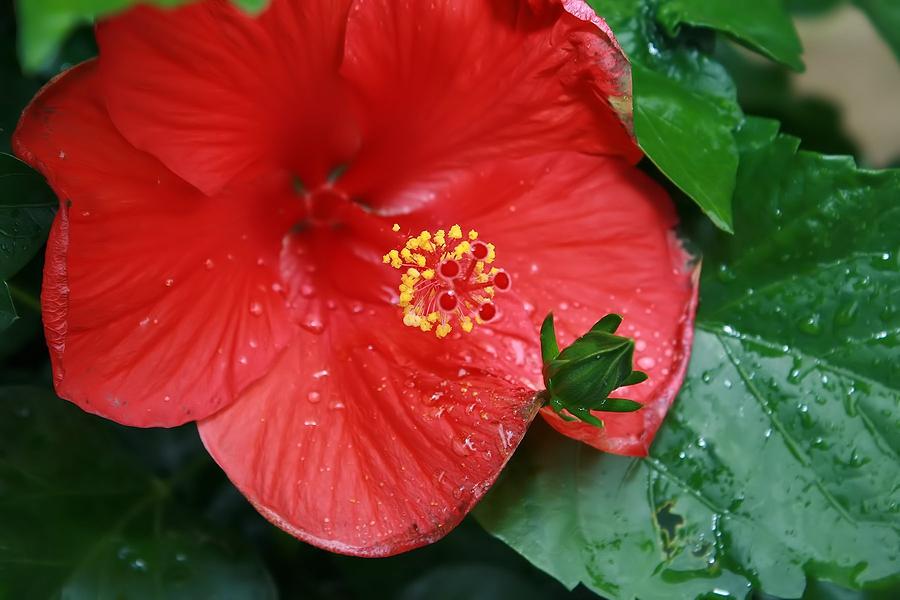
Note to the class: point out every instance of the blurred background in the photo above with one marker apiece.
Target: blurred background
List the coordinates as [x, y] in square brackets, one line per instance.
[846, 102]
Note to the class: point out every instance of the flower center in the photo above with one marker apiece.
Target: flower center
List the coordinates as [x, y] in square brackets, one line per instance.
[327, 205]
[447, 280]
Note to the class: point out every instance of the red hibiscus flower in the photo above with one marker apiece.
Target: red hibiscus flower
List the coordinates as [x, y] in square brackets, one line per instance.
[228, 190]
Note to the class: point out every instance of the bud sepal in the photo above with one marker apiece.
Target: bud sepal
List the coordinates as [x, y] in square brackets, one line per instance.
[580, 378]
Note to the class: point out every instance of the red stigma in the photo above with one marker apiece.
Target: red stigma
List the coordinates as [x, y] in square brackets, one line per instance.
[487, 312]
[502, 281]
[449, 269]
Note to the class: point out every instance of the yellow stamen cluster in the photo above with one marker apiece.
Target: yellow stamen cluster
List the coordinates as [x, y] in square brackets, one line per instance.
[423, 284]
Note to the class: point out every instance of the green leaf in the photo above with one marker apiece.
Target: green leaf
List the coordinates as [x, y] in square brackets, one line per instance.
[27, 206]
[885, 16]
[685, 107]
[780, 456]
[45, 24]
[82, 521]
[688, 140]
[763, 25]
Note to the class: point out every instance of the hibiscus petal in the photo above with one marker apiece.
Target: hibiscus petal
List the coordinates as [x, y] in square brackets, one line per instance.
[464, 81]
[157, 300]
[213, 92]
[369, 438]
[582, 237]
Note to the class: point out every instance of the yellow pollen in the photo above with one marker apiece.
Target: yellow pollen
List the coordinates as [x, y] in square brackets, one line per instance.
[461, 249]
[396, 227]
[435, 299]
[467, 324]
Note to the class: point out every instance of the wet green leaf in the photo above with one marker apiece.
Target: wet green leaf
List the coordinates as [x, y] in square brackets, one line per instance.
[780, 456]
[45, 24]
[763, 25]
[80, 520]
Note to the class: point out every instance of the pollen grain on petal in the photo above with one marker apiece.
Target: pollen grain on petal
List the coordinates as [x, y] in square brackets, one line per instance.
[446, 280]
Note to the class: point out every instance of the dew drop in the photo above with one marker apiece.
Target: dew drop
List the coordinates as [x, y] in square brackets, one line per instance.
[646, 362]
[462, 447]
[640, 345]
[314, 325]
[170, 282]
[256, 309]
[314, 397]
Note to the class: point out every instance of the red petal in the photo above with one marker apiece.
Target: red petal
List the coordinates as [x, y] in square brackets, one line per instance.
[157, 300]
[584, 236]
[370, 438]
[465, 81]
[211, 92]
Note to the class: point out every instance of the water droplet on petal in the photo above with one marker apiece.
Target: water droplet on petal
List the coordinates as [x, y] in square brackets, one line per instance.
[256, 309]
[314, 325]
[646, 362]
